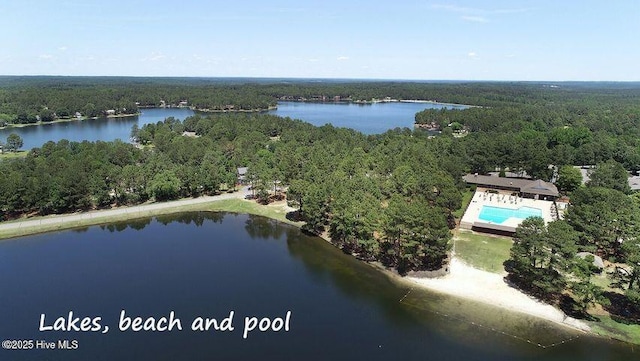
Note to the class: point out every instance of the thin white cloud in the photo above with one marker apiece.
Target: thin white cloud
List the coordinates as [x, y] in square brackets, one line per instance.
[313, 60]
[475, 19]
[154, 57]
[477, 15]
[472, 54]
[468, 10]
[63, 48]
[45, 56]
[342, 58]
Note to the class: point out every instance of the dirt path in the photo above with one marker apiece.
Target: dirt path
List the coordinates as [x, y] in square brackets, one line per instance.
[121, 211]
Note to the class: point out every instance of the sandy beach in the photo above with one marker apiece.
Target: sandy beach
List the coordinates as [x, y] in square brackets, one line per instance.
[467, 282]
[463, 280]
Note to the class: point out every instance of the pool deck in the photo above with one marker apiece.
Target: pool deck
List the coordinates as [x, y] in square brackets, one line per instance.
[503, 199]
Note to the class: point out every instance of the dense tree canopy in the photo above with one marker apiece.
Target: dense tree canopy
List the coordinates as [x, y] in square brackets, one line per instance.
[569, 178]
[388, 197]
[610, 174]
[605, 218]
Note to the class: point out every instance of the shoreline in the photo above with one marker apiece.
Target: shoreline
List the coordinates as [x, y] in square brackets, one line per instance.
[66, 120]
[437, 102]
[377, 101]
[257, 110]
[476, 285]
[488, 288]
[463, 281]
[22, 227]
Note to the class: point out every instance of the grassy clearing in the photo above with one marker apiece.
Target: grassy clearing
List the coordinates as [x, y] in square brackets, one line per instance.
[483, 251]
[13, 155]
[603, 280]
[274, 211]
[608, 327]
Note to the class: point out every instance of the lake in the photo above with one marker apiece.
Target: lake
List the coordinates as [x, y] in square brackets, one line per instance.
[208, 264]
[105, 129]
[367, 118]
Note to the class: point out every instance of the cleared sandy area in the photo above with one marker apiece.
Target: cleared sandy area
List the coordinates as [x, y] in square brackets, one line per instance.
[467, 282]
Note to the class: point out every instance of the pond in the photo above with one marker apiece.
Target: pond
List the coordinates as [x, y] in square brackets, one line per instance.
[209, 264]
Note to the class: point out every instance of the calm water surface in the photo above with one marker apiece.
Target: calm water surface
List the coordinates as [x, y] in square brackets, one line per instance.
[105, 129]
[206, 264]
[367, 118]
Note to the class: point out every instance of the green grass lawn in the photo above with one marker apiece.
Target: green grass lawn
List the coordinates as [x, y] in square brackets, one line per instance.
[483, 251]
[608, 327]
[603, 280]
[13, 155]
[466, 199]
[250, 207]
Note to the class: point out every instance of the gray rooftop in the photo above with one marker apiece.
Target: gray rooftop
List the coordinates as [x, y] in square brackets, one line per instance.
[634, 183]
[634, 180]
[523, 185]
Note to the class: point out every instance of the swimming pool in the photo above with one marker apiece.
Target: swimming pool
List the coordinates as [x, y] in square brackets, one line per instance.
[498, 215]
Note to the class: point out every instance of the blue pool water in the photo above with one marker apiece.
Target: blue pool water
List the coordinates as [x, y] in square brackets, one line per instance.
[499, 215]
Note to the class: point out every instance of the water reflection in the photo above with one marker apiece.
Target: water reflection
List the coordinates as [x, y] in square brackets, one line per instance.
[398, 300]
[203, 263]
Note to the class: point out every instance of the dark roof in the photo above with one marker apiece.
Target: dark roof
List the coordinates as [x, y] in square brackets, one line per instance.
[496, 181]
[523, 185]
[540, 187]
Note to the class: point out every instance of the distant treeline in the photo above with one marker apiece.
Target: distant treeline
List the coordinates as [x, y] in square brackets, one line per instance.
[29, 99]
[387, 197]
[574, 126]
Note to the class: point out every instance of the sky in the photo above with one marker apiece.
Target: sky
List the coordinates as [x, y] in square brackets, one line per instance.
[542, 40]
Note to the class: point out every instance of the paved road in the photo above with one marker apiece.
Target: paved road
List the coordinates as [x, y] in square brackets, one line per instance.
[122, 210]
